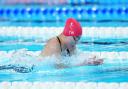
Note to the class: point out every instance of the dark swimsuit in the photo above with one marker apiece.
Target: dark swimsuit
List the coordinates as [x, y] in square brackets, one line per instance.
[68, 52]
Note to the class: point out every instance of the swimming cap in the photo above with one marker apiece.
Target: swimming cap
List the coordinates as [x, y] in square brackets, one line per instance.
[72, 28]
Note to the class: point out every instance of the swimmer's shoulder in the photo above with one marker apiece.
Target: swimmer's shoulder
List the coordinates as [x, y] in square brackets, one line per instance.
[51, 47]
[52, 42]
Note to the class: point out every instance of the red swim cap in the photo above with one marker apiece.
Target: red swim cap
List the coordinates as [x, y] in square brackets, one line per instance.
[72, 28]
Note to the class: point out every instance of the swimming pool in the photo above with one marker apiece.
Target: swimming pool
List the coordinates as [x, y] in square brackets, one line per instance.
[28, 24]
[108, 43]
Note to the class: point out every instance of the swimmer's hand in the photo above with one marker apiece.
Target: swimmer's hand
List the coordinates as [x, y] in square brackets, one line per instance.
[94, 61]
[91, 62]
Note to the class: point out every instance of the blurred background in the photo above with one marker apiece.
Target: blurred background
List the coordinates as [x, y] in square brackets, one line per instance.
[55, 12]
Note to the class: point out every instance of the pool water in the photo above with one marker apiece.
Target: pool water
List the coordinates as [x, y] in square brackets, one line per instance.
[14, 50]
[105, 34]
[113, 70]
[9, 43]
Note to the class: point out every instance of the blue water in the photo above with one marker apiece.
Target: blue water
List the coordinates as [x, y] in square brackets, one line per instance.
[102, 13]
[107, 72]
[85, 44]
[102, 73]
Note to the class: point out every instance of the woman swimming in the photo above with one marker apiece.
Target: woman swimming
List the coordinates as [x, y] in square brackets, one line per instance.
[60, 46]
[65, 45]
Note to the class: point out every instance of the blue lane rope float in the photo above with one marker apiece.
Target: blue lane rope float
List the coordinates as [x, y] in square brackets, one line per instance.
[96, 11]
[67, 11]
[74, 11]
[126, 11]
[8, 11]
[59, 11]
[1, 11]
[119, 11]
[31, 11]
[111, 11]
[104, 11]
[89, 11]
[37, 11]
[16, 11]
[45, 11]
[23, 11]
[81, 11]
[52, 11]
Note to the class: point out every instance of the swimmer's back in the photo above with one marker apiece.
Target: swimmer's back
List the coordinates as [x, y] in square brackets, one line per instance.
[51, 48]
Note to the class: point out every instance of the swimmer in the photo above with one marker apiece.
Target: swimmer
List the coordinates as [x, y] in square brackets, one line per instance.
[60, 46]
[65, 44]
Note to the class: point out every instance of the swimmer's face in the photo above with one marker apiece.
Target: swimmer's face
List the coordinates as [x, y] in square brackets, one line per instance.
[72, 41]
[76, 38]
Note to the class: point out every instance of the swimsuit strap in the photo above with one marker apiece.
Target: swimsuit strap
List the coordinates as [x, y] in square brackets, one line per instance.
[59, 42]
[68, 52]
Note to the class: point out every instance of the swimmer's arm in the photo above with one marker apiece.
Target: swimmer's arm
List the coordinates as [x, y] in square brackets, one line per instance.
[95, 62]
[85, 63]
[90, 61]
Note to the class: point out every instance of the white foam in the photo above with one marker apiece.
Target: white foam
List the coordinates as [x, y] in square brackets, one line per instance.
[62, 85]
[39, 85]
[45, 33]
[28, 56]
[21, 85]
[108, 86]
[5, 85]
[123, 85]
